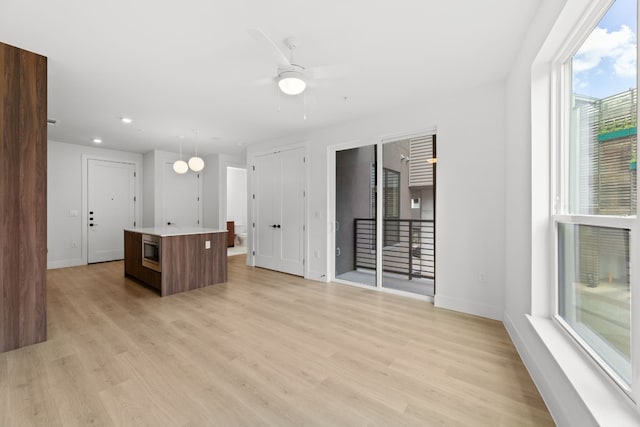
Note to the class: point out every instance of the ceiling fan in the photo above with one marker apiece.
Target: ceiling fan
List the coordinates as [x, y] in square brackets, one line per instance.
[292, 78]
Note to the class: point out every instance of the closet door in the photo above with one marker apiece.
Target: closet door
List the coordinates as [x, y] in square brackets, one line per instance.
[279, 209]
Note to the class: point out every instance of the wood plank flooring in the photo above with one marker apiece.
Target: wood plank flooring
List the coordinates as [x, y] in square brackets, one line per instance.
[263, 349]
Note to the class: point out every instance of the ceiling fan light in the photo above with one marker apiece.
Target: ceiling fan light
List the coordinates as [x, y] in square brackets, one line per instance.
[291, 83]
[196, 164]
[180, 166]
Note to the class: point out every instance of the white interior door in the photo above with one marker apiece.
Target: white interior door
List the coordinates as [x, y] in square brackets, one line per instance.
[280, 211]
[111, 208]
[181, 198]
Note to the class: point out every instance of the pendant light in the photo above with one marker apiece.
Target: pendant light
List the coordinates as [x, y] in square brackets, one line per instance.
[180, 166]
[196, 163]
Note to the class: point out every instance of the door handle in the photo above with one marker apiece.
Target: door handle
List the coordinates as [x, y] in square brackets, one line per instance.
[278, 225]
[169, 223]
[274, 226]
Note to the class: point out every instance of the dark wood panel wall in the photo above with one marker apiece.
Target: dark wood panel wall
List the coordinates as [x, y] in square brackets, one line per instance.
[23, 197]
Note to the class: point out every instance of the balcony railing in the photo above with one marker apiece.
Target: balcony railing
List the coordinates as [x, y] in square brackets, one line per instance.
[409, 246]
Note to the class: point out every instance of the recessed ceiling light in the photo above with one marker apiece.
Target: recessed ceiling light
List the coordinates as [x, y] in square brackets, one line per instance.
[126, 120]
[97, 140]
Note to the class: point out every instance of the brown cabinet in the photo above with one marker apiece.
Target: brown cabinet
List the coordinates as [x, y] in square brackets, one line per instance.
[187, 261]
[231, 234]
[23, 197]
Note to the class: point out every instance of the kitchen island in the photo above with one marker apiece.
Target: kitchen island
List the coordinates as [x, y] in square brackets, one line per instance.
[175, 259]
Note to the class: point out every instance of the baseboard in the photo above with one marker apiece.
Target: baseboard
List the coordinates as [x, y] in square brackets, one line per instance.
[469, 307]
[318, 276]
[543, 383]
[51, 265]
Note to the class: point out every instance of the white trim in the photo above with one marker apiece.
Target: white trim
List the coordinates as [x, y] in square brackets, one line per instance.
[604, 401]
[552, 398]
[85, 196]
[384, 290]
[380, 213]
[401, 136]
[63, 263]
[627, 222]
[467, 306]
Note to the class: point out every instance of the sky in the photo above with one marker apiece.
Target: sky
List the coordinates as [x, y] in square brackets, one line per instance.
[606, 63]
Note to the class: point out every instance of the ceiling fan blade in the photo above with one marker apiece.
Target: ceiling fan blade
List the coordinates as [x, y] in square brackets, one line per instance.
[269, 46]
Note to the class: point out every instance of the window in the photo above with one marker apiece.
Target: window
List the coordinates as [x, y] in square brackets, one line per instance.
[596, 191]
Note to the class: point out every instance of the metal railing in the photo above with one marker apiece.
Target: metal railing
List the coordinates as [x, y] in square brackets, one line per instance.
[409, 246]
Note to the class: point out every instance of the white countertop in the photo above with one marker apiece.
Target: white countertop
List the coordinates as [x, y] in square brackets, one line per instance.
[173, 230]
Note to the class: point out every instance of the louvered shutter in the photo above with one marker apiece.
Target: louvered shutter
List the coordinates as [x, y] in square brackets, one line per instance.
[420, 152]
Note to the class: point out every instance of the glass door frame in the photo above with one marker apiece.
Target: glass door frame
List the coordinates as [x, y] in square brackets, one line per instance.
[331, 208]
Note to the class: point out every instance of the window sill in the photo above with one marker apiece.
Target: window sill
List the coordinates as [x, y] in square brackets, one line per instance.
[607, 403]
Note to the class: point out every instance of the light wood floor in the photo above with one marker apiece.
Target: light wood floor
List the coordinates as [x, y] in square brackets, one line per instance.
[263, 349]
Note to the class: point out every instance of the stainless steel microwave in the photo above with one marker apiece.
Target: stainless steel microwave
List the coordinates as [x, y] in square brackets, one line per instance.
[151, 250]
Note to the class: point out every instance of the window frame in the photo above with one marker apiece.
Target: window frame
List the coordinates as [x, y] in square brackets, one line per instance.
[560, 127]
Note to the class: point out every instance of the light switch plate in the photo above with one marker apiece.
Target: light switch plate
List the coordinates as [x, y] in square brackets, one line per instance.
[207, 244]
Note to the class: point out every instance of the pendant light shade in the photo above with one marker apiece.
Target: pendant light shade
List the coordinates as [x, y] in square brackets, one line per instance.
[196, 164]
[180, 166]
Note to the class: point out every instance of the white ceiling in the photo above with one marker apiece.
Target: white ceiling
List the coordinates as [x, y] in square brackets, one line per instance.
[190, 68]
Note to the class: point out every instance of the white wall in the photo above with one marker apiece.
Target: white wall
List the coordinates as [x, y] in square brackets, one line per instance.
[237, 197]
[148, 190]
[154, 188]
[210, 183]
[470, 194]
[64, 194]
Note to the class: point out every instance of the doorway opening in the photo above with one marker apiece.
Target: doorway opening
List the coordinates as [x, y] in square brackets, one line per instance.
[394, 182]
[237, 209]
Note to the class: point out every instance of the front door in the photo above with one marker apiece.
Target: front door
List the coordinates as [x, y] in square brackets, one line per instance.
[279, 211]
[111, 208]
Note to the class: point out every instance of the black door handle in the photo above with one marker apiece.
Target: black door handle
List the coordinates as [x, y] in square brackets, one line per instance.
[90, 225]
[278, 225]
[273, 226]
[169, 223]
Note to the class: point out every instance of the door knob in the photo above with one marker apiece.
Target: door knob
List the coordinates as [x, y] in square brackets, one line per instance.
[278, 225]
[169, 223]
[274, 226]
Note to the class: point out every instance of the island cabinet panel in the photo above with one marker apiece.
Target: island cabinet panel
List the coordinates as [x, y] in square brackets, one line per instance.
[189, 259]
[188, 264]
[133, 261]
[23, 197]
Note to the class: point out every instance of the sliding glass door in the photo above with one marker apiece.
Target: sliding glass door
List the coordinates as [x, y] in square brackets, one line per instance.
[396, 252]
[408, 226]
[355, 225]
